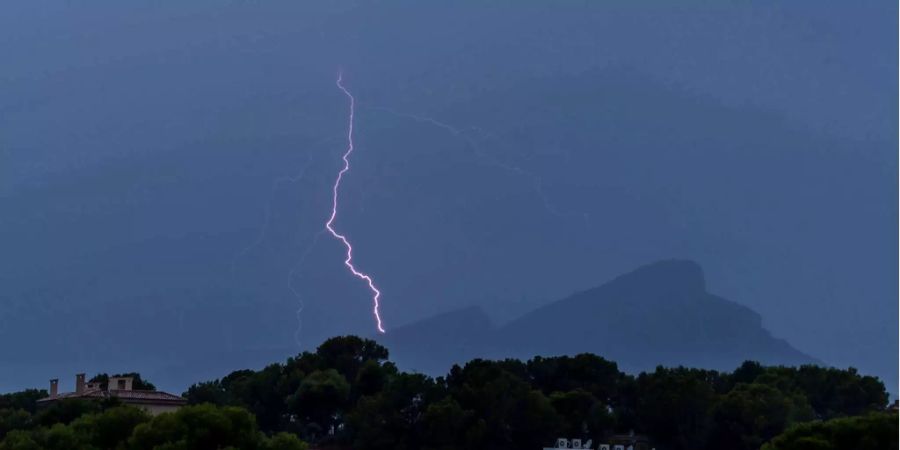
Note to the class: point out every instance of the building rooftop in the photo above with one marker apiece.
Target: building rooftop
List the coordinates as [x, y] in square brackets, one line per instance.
[118, 387]
[133, 396]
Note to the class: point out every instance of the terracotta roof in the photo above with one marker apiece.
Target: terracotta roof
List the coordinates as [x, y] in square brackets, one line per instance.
[89, 393]
[147, 396]
[125, 396]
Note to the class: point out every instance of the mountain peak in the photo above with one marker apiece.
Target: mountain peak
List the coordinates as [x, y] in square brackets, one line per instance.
[673, 275]
[659, 313]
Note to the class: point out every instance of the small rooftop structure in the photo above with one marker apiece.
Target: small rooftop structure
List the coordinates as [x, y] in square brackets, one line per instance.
[616, 442]
[570, 443]
[154, 402]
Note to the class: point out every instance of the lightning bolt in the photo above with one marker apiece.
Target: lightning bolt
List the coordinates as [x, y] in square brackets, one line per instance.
[329, 225]
[292, 274]
[267, 216]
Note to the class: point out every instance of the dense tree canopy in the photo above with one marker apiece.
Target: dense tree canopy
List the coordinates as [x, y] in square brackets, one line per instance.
[874, 430]
[201, 427]
[347, 394]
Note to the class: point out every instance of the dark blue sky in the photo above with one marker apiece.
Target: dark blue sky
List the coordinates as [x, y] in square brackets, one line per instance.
[139, 143]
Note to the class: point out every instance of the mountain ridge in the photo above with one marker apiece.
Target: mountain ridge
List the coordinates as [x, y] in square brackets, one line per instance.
[657, 314]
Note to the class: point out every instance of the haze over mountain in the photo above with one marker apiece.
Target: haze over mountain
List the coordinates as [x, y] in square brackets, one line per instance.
[659, 314]
[507, 157]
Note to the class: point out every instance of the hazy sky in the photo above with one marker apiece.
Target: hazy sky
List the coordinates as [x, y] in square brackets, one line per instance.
[508, 155]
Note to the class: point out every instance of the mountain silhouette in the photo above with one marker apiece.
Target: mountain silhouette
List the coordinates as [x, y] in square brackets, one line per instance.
[659, 314]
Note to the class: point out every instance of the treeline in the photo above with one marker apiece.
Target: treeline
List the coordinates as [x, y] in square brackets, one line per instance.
[347, 394]
[77, 424]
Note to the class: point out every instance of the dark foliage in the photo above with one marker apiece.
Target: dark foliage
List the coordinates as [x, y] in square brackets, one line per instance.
[875, 430]
[347, 394]
[24, 400]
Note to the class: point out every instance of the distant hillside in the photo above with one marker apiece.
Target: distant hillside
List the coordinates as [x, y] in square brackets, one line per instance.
[432, 345]
[658, 314]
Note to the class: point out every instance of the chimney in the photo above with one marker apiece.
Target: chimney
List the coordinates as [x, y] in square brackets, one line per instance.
[54, 387]
[79, 383]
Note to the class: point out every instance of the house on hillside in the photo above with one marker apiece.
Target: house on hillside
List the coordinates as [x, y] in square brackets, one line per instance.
[154, 402]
